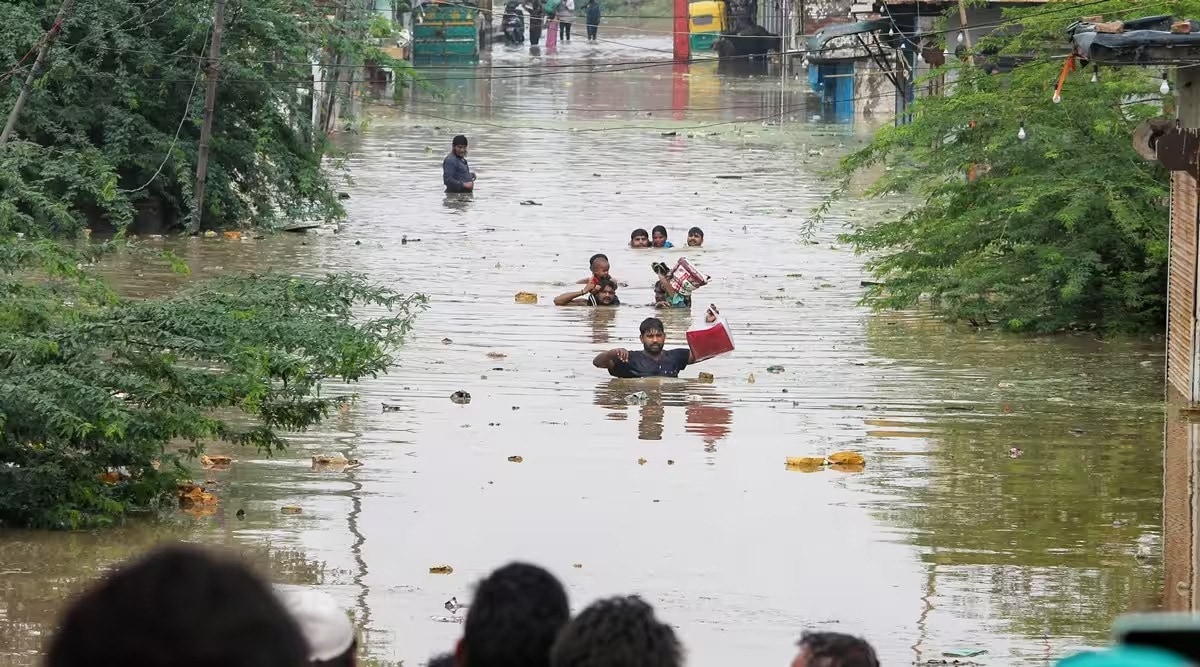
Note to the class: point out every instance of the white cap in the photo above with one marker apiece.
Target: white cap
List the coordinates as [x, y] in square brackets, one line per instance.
[324, 623]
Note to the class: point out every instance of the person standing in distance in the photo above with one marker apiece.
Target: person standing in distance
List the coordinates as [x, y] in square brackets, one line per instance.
[456, 174]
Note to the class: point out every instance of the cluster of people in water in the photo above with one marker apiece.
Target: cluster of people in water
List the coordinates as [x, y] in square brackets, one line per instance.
[556, 16]
[600, 288]
[182, 606]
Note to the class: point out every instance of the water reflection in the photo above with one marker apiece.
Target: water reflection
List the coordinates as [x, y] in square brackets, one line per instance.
[1181, 509]
[458, 202]
[993, 501]
[702, 405]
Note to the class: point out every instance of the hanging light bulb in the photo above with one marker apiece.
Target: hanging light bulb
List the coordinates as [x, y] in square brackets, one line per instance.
[1095, 74]
[961, 37]
[1164, 87]
[1057, 97]
[1021, 132]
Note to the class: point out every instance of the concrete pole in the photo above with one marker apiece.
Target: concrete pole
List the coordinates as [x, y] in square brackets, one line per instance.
[213, 67]
[682, 30]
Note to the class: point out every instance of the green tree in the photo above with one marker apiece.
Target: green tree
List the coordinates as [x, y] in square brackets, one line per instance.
[112, 127]
[103, 400]
[1064, 229]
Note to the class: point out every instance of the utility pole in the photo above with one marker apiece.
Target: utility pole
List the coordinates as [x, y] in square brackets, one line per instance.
[38, 65]
[213, 70]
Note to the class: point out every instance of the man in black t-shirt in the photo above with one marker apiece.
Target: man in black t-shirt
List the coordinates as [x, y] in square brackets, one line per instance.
[652, 361]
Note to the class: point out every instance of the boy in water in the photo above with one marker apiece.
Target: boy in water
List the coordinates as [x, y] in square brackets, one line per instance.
[599, 266]
[639, 239]
[695, 237]
[659, 237]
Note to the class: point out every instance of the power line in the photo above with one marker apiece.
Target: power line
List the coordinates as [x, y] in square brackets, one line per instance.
[187, 111]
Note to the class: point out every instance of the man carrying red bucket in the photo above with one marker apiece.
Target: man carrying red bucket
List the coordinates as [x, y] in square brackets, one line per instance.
[653, 361]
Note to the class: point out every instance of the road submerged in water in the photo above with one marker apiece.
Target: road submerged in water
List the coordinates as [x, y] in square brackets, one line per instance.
[1008, 482]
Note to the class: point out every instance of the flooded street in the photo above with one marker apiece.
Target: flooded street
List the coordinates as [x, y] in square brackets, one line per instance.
[1009, 481]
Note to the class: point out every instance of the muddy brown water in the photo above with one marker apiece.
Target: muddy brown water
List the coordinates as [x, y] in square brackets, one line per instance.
[944, 541]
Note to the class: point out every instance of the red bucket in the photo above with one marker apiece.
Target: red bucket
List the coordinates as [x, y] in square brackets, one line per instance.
[685, 279]
[710, 339]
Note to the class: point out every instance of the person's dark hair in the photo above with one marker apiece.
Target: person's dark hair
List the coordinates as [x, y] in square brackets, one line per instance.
[443, 660]
[179, 607]
[660, 228]
[697, 231]
[834, 649]
[460, 140]
[638, 232]
[651, 324]
[517, 612]
[599, 255]
[605, 283]
[347, 659]
[617, 632]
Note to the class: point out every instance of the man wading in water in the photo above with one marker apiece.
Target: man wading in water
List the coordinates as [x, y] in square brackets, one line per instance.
[652, 361]
[456, 174]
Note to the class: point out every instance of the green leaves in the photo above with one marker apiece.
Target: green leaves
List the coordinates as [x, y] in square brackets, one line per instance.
[97, 393]
[124, 79]
[1066, 229]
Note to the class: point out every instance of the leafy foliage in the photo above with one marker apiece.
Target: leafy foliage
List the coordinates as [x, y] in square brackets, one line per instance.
[103, 400]
[96, 142]
[1065, 229]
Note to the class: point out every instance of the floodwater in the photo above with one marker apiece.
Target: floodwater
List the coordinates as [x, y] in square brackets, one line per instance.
[945, 540]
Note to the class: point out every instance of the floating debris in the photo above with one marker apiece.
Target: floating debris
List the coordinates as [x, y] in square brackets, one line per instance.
[460, 397]
[334, 462]
[496, 355]
[441, 569]
[847, 458]
[290, 509]
[730, 177]
[516, 459]
[750, 379]
[1015, 452]
[670, 462]
[192, 495]
[529, 202]
[452, 605]
[578, 566]
[527, 298]
[804, 463]
[641, 462]
[446, 341]
[706, 378]
[215, 461]
[775, 369]
[392, 407]
[637, 398]
[241, 515]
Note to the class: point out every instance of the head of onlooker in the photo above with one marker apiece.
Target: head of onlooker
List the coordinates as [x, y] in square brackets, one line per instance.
[617, 632]
[833, 649]
[640, 238]
[695, 237]
[513, 619]
[326, 627]
[178, 607]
